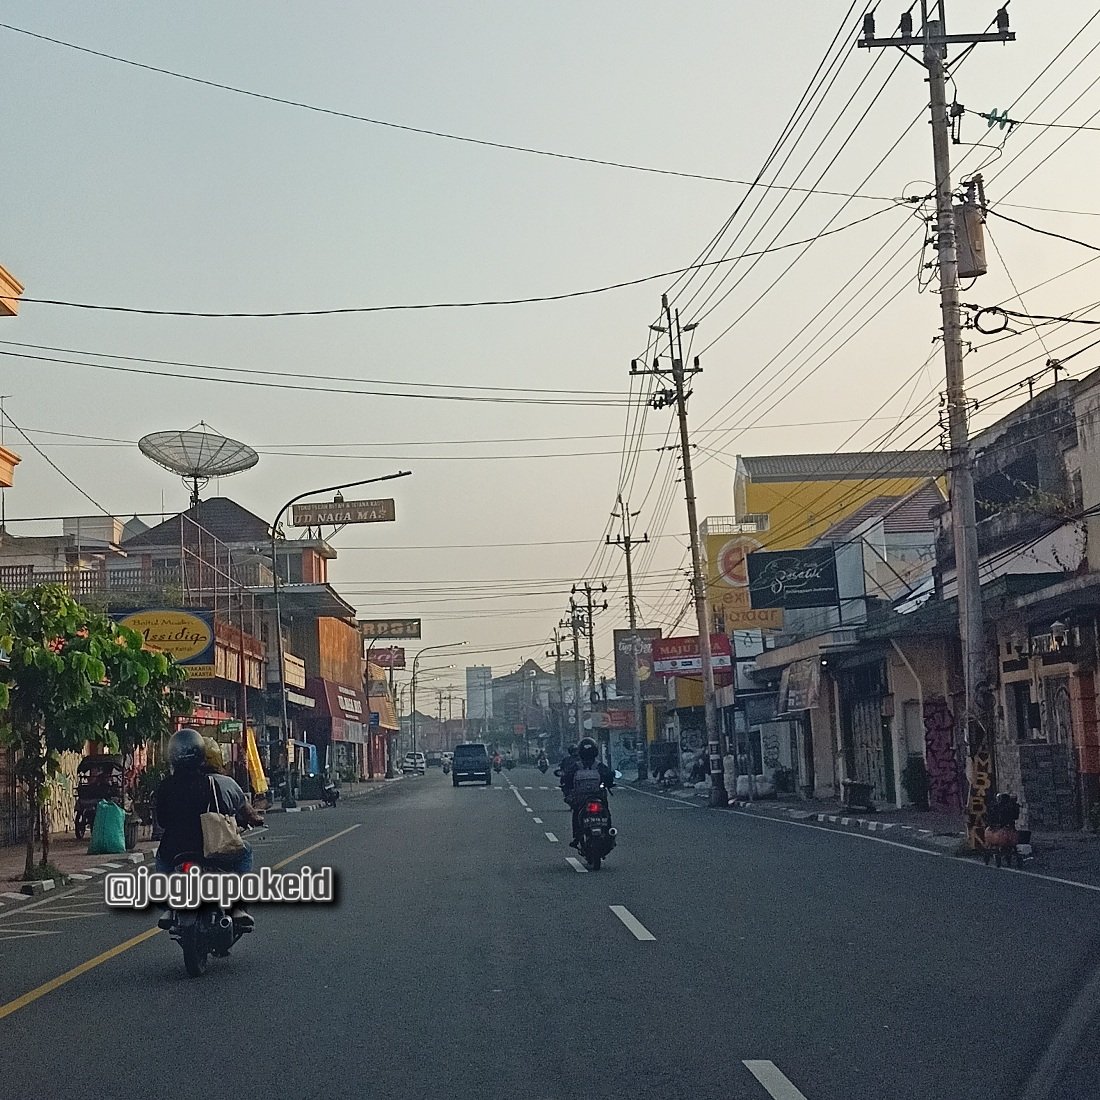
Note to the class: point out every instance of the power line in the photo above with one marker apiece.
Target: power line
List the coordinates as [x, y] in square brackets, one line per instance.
[420, 306]
[424, 131]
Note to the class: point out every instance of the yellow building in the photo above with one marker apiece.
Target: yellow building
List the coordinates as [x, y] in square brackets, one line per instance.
[785, 502]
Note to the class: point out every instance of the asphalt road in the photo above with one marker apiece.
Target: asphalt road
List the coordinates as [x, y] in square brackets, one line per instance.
[714, 956]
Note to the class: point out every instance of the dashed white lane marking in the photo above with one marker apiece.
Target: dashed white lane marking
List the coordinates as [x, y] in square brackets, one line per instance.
[537, 820]
[528, 809]
[545, 788]
[550, 837]
[576, 865]
[528, 788]
[627, 917]
[515, 791]
[772, 1078]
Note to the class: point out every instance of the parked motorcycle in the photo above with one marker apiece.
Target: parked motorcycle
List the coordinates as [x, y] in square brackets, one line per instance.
[597, 835]
[330, 793]
[208, 930]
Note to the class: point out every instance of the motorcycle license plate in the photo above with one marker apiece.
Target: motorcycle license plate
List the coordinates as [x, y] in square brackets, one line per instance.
[596, 830]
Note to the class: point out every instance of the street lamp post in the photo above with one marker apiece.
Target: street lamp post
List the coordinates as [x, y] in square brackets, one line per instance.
[416, 663]
[288, 799]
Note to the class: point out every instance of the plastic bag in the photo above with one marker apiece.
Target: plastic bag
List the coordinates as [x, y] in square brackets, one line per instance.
[108, 830]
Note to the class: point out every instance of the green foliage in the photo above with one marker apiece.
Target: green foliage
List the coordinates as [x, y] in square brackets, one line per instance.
[41, 871]
[74, 675]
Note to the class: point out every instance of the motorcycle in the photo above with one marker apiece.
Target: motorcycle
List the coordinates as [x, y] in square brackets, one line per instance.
[496, 766]
[446, 767]
[509, 763]
[543, 766]
[330, 793]
[597, 835]
[208, 930]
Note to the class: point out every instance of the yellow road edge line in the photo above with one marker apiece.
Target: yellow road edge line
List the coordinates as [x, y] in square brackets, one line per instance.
[69, 975]
[63, 979]
[314, 847]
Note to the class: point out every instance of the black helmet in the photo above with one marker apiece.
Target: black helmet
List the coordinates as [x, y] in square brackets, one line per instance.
[588, 750]
[572, 750]
[186, 749]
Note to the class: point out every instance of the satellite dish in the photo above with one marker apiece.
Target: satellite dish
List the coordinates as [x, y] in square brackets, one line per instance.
[197, 455]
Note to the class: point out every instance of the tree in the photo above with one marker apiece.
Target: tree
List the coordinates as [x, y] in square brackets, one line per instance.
[74, 676]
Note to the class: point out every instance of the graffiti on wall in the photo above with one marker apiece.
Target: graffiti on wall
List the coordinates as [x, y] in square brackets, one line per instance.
[770, 742]
[940, 757]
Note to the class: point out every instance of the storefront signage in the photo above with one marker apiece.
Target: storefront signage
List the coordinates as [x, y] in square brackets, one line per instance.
[793, 578]
[186, 636]
[737, 613]
[800, 686]
[681, 656]
[637, 646]
[336, 514]
[349, 702]
[390, 628]
[389, 657]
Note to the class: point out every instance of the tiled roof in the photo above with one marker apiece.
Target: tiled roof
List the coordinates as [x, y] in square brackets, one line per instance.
[225, 519]
[855, 465]
[903, 515]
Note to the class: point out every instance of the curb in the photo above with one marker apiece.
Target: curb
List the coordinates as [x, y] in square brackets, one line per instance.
[903, 834]
[25, 891]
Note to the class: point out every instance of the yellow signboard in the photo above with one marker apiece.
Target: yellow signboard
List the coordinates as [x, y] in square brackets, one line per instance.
[182, 635]
[728, 585]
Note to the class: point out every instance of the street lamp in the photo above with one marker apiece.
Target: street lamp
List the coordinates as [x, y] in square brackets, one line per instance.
[416, 662]
[288, 799]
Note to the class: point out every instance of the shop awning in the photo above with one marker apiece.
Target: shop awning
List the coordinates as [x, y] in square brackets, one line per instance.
[382, 705]
[306, 599]
[338, 700]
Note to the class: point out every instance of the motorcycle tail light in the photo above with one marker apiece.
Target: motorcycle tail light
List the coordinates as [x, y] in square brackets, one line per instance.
[186, 867]
[594, 807]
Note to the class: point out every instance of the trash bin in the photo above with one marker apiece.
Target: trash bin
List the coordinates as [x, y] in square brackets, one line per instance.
[857, 796]
[130, 831]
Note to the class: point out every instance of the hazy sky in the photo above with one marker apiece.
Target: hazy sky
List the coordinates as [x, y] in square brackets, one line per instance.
[125, 187]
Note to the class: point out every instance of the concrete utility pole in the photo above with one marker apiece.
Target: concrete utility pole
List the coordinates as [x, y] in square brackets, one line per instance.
[627, 543]
[933, 41]
[663, 399]
[556, 654]
[587, 616]
[573, 622]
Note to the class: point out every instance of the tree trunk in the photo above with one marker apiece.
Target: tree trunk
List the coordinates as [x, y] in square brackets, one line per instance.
[45, 833]
[32, 818]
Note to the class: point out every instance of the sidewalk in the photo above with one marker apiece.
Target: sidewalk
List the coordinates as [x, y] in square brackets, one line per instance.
[70, 856]
[348, 792]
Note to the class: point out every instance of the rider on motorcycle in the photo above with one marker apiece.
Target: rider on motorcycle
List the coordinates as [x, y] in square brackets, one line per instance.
[185, 795]
[585, 781]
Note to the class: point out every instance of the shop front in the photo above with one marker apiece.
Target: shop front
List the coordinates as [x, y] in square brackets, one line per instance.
[339, 728]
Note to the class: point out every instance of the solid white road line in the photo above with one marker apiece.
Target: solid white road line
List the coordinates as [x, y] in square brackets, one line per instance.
[576, 865]
[768, 1074]
[627, 917]
[550, 837]
[971, 863]
[537, 820]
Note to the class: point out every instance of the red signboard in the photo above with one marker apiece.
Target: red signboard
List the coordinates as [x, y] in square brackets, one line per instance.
[681, 657]
[392, 656]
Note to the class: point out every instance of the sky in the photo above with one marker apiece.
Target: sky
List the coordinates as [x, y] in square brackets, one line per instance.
[127, 187]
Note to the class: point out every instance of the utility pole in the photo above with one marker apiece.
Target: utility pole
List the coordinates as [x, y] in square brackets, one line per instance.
[573, 622]
[627, 543]
[556, 654]
[663, 399]
[933, 40]
[587, 615]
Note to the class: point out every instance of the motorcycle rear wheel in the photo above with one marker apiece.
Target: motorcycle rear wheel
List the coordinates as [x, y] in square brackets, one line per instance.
[594, 862]
[195, 957]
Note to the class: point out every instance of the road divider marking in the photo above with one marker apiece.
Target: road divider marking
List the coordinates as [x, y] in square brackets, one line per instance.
[528, 788]
[537, 820]
[627, 917]
[550, 837]
[33, 995]
[576, 865]
[515, 791]
[528, 809]
[774, 1080]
